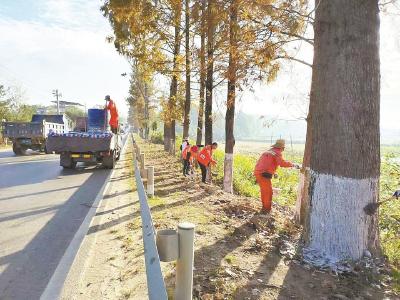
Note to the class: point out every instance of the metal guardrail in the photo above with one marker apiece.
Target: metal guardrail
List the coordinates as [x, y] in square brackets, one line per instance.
[155, 281]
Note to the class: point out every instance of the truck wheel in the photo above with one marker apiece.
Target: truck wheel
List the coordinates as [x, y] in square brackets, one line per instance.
[66, 161]
[18, 150]
[109, 161]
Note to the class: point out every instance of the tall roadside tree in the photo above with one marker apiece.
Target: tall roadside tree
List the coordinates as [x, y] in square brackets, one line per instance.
[150, 32]
[259, 33]
[344, 111]
[186, 112]
[209, 85]
[170, 117]
[202, 57]
[231, 97]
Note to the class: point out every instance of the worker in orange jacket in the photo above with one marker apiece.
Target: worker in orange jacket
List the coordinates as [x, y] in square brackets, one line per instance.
[265, 169]
[205, 159]
[189, 154]
[113, 114]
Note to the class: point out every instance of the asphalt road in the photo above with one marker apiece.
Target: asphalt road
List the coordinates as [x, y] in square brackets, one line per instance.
[41, 208]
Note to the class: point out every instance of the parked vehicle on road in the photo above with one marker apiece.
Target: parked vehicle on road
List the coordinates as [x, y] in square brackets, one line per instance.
[97, 145]
[32, 135]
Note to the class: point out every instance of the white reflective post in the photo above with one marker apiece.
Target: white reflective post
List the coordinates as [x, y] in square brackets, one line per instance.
[150, 181]
[185, 262]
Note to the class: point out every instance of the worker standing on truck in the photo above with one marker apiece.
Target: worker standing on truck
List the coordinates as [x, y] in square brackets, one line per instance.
[113, 114]
[265, 169]
[205, 159]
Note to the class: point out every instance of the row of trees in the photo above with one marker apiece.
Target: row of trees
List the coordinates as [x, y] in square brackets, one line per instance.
[199, 45]
[237, 42]
[12, 106]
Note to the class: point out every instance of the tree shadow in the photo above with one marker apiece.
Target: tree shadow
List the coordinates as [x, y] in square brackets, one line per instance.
[39, 193]
[29, 213]
[29, 270]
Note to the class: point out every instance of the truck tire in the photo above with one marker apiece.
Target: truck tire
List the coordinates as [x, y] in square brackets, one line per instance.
[109, 161]
[18, 150]
[66, 161]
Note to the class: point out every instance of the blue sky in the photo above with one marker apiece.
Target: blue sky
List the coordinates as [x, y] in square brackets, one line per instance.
[49, 44]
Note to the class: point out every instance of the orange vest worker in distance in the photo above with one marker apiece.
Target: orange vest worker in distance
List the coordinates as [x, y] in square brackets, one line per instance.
[188, 155]
[113, 114]
[205, 159]
[265, 169]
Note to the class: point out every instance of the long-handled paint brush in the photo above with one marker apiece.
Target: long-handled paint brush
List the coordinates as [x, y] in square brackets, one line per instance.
[371, 208]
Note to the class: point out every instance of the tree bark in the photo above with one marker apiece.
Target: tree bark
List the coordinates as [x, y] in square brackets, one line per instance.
[231, 98]
[302, 207]
[146, 111]
[210, 71]
[345, 154]
[169, 125]
[186, 116]
[202, 74]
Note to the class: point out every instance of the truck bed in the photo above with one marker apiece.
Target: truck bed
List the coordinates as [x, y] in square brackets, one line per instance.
[79, 142]
[14, 130]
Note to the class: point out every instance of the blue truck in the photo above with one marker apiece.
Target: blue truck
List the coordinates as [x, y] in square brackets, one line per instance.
[96, 145]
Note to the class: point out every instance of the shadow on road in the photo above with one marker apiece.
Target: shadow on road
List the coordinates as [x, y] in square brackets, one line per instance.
[28, 270]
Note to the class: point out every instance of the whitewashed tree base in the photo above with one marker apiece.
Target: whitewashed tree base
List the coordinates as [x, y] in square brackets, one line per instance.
[339, 227]
[228, 173]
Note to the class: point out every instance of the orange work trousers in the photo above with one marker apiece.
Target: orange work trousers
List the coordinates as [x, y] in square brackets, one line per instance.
[266, 191]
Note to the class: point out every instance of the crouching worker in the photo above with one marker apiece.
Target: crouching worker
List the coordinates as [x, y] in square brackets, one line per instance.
[189, 155]
[205, 159]
[265, 169]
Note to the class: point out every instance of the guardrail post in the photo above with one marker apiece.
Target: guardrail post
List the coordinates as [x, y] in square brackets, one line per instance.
[184, 265]
[150, 181]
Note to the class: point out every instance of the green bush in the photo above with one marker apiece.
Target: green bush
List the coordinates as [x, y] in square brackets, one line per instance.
[244, 182]
[157, 137]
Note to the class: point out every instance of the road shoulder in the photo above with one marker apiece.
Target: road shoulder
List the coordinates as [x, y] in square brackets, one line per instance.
[110, 262]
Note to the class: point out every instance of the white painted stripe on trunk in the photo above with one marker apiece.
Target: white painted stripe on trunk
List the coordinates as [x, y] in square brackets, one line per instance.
[228, 173]
[339, 227]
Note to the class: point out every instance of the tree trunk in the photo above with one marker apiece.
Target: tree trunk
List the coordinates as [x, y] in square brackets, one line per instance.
[169, 128]
[146, 112]
[231, 97]
[210, 72]
[202, 74]
[186, 116]
[302, 208]
[345, 154]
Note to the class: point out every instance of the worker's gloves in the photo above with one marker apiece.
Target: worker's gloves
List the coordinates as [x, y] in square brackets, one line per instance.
[396, 194]
[297, 166]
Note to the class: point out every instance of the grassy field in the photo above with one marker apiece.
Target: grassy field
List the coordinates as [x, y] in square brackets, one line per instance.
[244, 184]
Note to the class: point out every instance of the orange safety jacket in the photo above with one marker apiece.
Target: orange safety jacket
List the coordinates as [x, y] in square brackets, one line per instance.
[270, 160]
[113, 114]
[190, 152]
[205, 156]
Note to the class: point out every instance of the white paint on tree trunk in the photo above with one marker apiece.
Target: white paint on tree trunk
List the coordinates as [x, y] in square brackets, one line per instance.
[300, 191]
[228, 173]
[339, 227]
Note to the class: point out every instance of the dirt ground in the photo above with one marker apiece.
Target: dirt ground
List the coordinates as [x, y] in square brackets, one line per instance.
[240, 253]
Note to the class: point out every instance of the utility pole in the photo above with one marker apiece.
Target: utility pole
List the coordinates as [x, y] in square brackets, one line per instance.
[57, 95]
